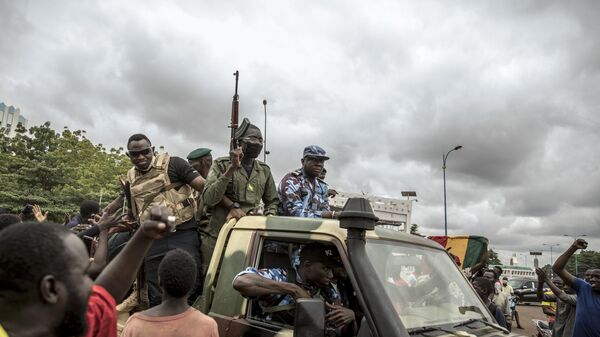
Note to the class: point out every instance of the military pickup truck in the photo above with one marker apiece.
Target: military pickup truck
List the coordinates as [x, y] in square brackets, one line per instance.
[402, 284]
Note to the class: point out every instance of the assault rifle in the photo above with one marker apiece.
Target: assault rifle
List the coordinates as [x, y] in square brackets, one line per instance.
[235, 107]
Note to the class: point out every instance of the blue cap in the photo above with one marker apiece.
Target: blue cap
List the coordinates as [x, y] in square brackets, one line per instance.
[315, 151]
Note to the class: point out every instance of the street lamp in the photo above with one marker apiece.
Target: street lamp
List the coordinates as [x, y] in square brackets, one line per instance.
[551, 245]
[444, 157]
[265, 152]
[576, 263]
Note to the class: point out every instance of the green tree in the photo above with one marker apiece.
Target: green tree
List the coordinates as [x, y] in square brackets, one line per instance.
[414, 229]
[493, 258]
[57, 170]
[585, 260]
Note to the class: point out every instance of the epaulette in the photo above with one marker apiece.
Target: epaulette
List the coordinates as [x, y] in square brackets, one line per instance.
[222, 163]
[263, 164]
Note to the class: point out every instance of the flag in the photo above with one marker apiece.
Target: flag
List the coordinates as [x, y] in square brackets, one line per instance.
[467, 249]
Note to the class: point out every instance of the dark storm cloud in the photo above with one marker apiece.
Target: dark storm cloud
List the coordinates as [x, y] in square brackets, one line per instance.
[385, 88]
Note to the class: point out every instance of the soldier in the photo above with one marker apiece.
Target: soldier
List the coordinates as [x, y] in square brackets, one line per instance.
[302, 193]
[166, 181]
[241, 178]
[201, 160]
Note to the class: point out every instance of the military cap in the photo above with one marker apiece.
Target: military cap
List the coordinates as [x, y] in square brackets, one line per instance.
[242, 130]
[198, 153]
[315, 151]
[318, 252]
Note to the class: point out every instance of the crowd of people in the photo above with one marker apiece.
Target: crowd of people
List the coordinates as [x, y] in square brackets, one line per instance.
[161, 244]
[175, 209]
[572, 304]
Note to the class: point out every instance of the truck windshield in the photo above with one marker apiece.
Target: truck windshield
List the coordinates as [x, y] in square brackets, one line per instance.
[424, 285]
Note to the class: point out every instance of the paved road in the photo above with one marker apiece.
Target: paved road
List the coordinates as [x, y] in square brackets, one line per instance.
[526, 314]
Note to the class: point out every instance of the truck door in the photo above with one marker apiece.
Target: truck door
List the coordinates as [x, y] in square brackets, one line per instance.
[273, 252]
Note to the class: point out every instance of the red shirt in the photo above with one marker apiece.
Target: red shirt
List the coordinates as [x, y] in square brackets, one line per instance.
[101, 313]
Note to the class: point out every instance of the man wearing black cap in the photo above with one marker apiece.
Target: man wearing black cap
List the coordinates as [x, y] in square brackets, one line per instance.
[277, 288]
[241, 178]
[302, 193]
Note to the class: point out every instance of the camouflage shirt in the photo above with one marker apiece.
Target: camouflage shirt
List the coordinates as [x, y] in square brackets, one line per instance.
[328, 294]
[301, 196]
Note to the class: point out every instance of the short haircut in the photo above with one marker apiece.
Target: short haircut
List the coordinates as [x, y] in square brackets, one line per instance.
[177, 273]
[87, 208]
[500, 269]
[8, 219]
[138, 136]
[28, 252]
[484, 284]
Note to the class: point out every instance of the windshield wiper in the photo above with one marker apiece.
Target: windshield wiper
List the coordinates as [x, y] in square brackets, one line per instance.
[429, 329]
[481, 320]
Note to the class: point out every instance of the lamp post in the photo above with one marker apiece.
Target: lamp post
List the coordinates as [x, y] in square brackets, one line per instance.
[444, 158]
[551, 245]
[265, 152]
[576, 262]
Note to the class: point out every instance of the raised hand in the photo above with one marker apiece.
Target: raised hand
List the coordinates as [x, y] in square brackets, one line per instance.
[37, 213]
[579, 243]
[159, 225]
[235, 157]
[542, 277]
[114, 223]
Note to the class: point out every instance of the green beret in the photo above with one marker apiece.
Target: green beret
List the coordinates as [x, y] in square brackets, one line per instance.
[198, 153]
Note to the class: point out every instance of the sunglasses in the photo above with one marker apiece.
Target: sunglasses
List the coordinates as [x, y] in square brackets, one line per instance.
[143, 152]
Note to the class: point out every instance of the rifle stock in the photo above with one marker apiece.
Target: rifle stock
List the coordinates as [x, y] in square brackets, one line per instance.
[235, 106]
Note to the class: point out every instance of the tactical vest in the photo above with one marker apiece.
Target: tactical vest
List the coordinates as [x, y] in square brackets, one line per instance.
[155, 188]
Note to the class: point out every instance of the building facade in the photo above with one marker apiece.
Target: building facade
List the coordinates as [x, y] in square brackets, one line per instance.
[393, 214]
[10, 117]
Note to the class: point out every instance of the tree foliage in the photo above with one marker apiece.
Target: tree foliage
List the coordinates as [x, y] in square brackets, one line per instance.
[493, 258]
[414, 229]
[585, 260]
[57, 170]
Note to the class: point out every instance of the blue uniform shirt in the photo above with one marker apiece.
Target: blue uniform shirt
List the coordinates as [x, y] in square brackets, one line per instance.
[301, 196]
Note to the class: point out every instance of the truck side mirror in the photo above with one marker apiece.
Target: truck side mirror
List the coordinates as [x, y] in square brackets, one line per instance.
[310, 318]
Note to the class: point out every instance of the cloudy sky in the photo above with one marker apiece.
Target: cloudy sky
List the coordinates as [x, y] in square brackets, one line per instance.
[386, 87]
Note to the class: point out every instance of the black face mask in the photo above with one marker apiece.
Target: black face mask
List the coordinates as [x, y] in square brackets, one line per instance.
[252, 150]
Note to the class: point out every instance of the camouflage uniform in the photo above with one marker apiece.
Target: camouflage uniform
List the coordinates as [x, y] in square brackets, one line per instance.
[329, 293]
[302, 197]
[247, 191]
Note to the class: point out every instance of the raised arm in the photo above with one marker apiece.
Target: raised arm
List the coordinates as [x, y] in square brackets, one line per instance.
[118, 276]
[561, 262]
[104, 225]
[540, 284]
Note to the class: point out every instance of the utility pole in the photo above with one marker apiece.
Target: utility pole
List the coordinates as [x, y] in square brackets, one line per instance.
[551, 245]
[444, 158]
